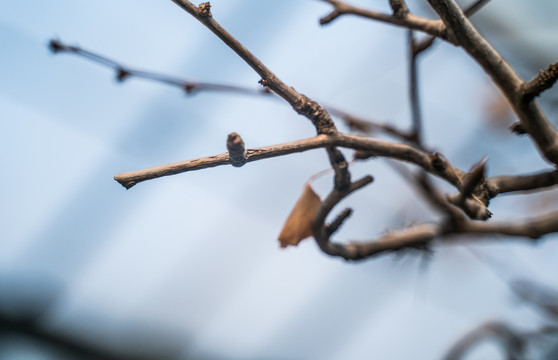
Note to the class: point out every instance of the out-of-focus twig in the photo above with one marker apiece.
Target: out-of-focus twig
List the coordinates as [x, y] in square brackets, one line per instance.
[124, 73]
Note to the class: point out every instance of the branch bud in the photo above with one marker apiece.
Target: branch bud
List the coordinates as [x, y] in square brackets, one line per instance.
[236, 149]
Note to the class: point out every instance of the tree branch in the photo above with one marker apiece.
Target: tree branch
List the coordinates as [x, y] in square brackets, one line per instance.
[123, 73]
[408, 20]
[300, 103]
[372, 147]
[531, 117]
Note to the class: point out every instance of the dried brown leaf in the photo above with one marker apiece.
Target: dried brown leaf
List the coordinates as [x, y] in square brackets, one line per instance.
[299, 223]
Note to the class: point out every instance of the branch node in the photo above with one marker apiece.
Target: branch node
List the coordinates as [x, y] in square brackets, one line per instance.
[316, 113]
[122, 74]
[204, 9]
[189, 88]
[437, 161]
[236, 149]
[55, 46]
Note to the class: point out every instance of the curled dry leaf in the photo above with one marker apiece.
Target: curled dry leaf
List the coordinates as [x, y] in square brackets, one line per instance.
[299, 223]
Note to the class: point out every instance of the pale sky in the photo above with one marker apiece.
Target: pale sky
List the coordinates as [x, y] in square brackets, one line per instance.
[196, 255]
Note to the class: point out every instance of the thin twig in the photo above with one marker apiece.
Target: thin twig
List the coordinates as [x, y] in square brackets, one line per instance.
[375, 147]
[408, 20]
[414, 91]
[124, 73]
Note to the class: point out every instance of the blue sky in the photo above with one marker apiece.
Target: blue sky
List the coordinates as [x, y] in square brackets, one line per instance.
[195, 255]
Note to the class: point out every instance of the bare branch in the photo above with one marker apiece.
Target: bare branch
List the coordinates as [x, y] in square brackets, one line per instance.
[539, 181]
[533, 228]
[300, 103]
[410, 21]
[531, 117]
[124, 73]
[373, 147]
[416, 131]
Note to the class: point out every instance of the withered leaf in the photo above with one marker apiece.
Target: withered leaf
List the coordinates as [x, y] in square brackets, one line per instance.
[299, 223]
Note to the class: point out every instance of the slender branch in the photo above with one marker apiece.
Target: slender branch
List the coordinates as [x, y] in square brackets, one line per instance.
[539, 181]
[124, 73]
[421, 236]
[530, 115]
[532, 228]
[373, 147]
[408, 20]
[300, 103]
[414, 91]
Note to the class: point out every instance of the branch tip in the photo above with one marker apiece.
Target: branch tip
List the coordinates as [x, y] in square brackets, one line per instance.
[339, 220]
[329, 17]
[544, 80]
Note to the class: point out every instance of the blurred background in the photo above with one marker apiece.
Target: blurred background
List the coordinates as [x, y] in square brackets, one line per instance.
[189, 266]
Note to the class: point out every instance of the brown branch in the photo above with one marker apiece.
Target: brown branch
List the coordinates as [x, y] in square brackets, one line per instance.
[530, 115]
[373, 147]
[539, 181]
[543, 81]
[300, 103]
[416, 128]
[124, 73]
[408, 20]
[421, 236]
[533, 228]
